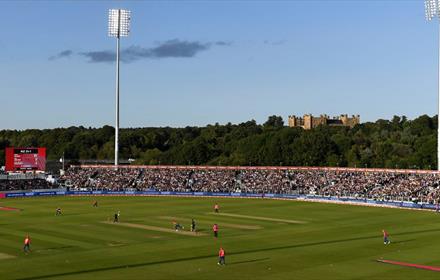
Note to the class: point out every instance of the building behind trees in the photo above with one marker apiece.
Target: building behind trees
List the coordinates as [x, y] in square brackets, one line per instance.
[308, 121]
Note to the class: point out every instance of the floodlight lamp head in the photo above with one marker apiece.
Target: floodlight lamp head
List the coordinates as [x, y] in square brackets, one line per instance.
[432, 9]
[118, 23]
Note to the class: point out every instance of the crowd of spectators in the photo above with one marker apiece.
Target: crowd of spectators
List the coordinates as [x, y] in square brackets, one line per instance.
[25, 184]
[423, 187]
[418, 187]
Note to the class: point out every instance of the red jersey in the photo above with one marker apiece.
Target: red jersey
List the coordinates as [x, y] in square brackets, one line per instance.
[221, 253]
[385, 234]
[215, 227]
[27, 241]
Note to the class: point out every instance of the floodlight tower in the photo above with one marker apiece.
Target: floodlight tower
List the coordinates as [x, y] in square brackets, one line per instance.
[432, 10]
[118, 26]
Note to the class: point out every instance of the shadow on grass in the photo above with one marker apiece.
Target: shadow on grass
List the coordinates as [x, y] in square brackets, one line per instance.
[134, 221]
[377, 236]
[402, 241]
[248, 261]
[58, 248]
[68, 214]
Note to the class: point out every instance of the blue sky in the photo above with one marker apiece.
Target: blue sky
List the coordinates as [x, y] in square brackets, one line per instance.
[202, 62]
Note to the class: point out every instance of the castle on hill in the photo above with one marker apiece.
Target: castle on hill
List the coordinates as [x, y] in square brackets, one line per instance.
[308, 121]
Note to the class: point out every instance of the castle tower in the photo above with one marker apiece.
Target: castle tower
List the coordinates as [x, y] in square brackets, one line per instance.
[292, 122]
[344, 119]
[308, 121]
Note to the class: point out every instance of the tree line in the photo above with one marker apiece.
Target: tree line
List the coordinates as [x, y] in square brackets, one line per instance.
[395, 143]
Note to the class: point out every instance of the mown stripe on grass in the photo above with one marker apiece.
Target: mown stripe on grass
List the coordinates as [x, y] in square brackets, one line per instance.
[91, 236]
[73, 235]
[4, 256]
[259, 218]
[154, 228]
[36, 234]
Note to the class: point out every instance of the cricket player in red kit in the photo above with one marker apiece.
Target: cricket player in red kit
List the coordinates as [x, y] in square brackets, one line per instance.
[221, 257]
[386, 239]
[27, 244]
[215, 230]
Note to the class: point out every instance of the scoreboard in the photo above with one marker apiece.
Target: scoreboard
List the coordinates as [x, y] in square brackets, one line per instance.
[25, 159]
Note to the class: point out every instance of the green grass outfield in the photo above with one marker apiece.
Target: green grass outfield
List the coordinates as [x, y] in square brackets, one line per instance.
[303, 241]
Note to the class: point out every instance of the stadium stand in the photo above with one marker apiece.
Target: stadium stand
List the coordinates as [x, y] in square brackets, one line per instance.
[378, 185]
[25, 184]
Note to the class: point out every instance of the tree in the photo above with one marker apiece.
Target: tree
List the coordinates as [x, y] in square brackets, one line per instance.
[392, 143]
[274, 122]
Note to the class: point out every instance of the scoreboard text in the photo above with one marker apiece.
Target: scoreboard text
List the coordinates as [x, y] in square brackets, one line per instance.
[25, 159]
